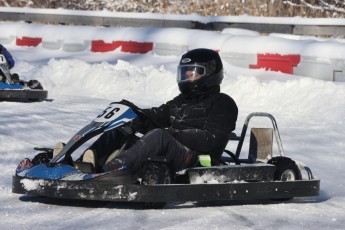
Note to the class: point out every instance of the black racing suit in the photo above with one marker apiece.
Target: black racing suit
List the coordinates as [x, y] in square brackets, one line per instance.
[188, 127]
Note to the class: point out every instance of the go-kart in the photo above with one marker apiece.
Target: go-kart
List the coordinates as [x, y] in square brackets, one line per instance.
[260, 175]
[13, 89]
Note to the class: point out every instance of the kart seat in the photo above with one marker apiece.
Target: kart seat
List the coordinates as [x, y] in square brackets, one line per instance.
[260, 144]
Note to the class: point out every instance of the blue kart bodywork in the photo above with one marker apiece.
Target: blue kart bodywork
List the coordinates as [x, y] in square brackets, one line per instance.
[4, 85]
[58, 172]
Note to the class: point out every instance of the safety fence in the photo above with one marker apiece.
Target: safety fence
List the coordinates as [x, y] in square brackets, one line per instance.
[326, 65]
[330, 69]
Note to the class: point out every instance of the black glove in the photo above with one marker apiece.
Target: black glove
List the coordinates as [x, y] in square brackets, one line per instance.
[129, 104]
[138, 125]
[139, 121]
[143, 122]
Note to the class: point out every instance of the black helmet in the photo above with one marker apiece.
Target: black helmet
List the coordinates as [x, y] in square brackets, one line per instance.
[198, 71]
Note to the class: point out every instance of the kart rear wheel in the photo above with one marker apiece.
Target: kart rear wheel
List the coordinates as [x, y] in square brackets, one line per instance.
[156, 173]
[286, 170]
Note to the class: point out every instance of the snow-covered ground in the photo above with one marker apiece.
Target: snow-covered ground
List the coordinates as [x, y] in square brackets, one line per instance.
[310, 115]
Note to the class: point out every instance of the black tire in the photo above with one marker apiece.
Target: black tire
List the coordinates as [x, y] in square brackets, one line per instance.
[156, 173]
[34, 84]
[42, 158]
[286, 170]
[15, 78]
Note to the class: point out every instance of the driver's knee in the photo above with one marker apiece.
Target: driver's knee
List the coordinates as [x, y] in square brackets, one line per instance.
[155, 133]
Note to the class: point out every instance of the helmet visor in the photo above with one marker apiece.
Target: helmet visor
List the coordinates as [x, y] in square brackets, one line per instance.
[190, 73]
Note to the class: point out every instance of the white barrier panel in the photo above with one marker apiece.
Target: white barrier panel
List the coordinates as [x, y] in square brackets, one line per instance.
[52, 45]
[166, 49]
[6, 39]
[76, 46]
[339, 75]
[239, 59]
[322, 69]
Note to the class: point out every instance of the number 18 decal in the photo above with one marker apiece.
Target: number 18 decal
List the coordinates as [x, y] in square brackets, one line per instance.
[112, 112]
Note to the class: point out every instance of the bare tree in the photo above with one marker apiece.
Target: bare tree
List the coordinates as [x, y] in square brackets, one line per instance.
[274, 8]
[325, 8]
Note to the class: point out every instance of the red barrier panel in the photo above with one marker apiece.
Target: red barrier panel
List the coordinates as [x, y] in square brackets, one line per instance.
[101, 46]
[28, 41]
[277, 62]
[136, 47]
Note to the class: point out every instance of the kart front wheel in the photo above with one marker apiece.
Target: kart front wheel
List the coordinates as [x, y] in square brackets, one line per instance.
[156, 173]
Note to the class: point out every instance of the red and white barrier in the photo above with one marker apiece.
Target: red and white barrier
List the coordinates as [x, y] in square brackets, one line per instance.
[323, 69]
[260, 56]
[101, 46]
[6, 39]
[136, 47]
[76, 46]
[166, 49]
[52, 45]
[28, 41]
[239, 59]
[277, 62]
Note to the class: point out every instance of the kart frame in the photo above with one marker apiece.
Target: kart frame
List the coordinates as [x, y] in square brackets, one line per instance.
[246, 179]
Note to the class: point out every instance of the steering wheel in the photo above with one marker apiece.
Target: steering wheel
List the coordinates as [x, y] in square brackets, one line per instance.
[139, 112]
